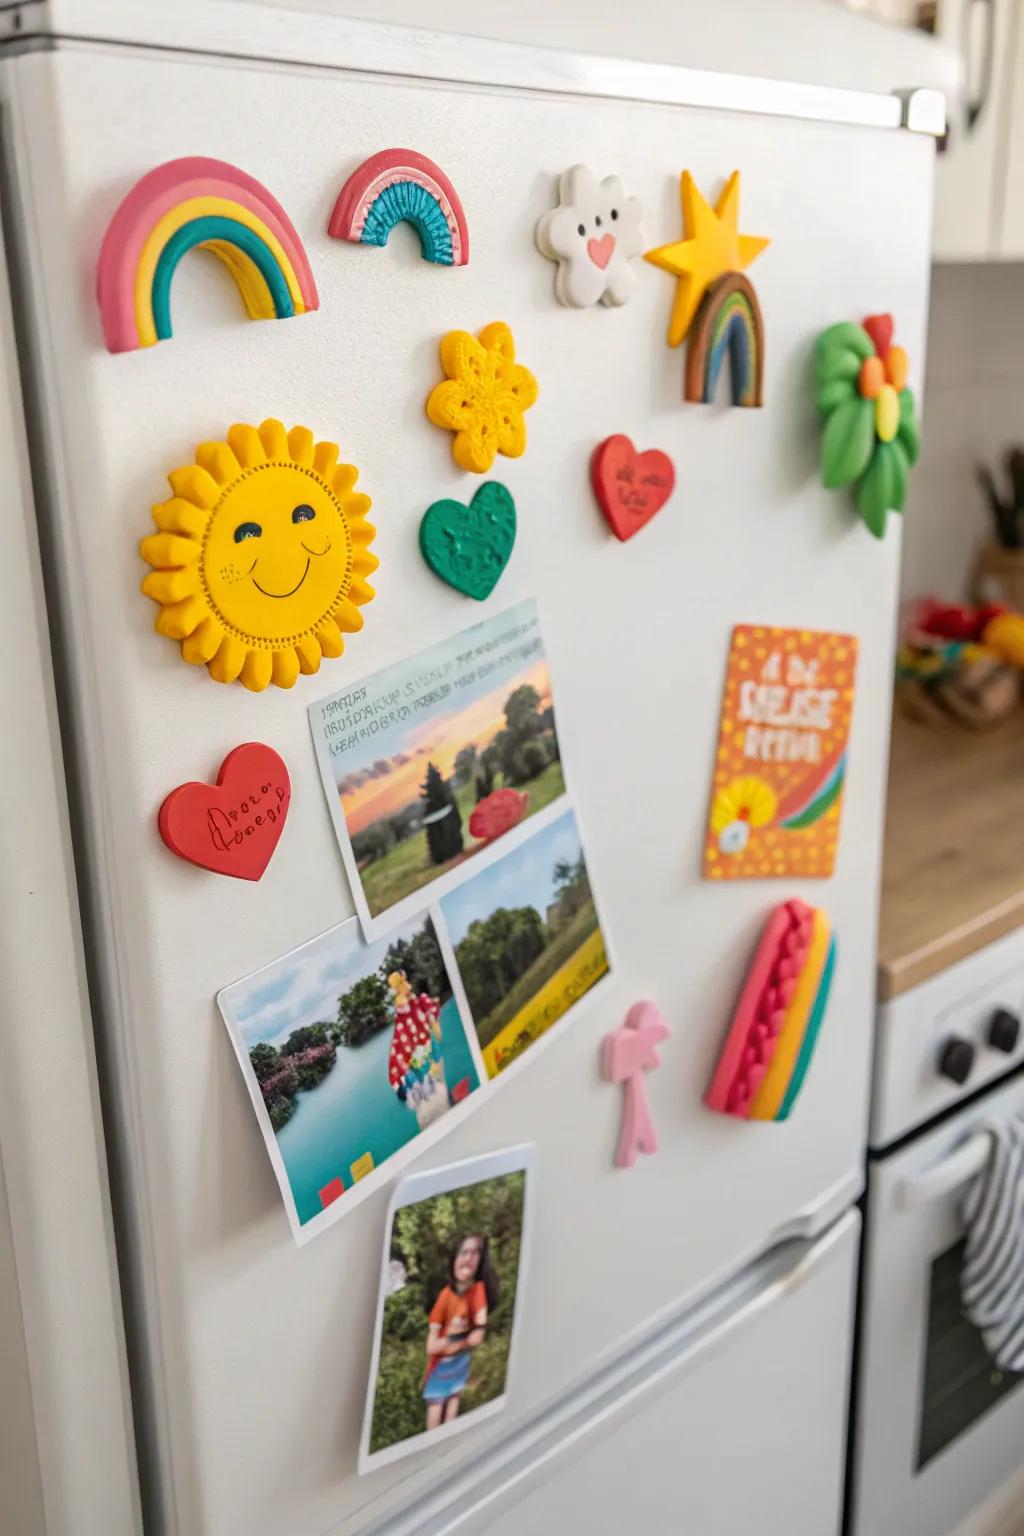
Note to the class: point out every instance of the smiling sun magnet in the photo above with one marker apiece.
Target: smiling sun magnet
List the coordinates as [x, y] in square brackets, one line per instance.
[261, 560]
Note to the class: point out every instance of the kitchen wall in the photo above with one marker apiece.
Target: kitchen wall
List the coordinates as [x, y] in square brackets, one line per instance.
[973, 407]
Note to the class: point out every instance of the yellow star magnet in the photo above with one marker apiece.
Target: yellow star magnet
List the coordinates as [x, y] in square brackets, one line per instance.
[712, 246]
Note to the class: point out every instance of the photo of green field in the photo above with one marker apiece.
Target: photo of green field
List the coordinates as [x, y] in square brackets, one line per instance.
[409, 864]
[527, 941]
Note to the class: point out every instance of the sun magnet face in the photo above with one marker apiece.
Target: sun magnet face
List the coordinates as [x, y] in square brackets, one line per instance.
[261, 561]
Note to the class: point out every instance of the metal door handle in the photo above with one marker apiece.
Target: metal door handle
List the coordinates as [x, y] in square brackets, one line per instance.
[959, 1168]
[976, 103]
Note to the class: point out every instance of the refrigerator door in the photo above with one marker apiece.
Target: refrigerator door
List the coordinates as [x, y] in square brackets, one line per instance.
[67, 1459]
[251, 1355]
[683, 1432]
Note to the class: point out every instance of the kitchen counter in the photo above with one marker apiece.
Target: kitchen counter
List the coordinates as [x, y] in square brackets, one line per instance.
[953, 867]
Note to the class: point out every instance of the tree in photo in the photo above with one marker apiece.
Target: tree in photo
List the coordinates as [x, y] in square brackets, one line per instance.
[363, 1010]
[278, 1080]
[421, 961]
[488, 764]
[521, 747]
[522, 712]
[374, 841]
[572, 890]
[496, 951]
[266, 1060]
[441, 815]
[535, 759]
[465, 764]
[310, 1053]
[304, 1037]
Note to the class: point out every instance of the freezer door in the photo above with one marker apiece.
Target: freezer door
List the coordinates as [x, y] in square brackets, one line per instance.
[732, 1408]
[252, 1355]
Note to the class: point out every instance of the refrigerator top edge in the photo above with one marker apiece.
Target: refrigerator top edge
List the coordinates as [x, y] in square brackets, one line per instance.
[238, 30]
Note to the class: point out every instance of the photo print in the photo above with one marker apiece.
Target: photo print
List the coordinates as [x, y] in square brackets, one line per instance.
[449, 1305]
[432, 767]
[355, 1056]
[527, 941]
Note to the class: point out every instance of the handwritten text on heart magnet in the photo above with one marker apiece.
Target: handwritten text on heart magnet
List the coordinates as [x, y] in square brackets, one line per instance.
[630, 487]
[233, 826]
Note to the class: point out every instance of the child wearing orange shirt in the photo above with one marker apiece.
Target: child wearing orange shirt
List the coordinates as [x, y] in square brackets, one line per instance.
[458, 1325]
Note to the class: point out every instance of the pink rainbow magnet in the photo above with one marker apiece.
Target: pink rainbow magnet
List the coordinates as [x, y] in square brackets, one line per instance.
[775, 1027]
[176, 207]
[398, 186]
[627, 1053]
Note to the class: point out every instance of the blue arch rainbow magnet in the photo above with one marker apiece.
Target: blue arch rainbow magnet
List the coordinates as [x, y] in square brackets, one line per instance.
[397, 186]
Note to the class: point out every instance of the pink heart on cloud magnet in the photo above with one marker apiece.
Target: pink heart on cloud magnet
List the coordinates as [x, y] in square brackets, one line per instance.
[595, 235]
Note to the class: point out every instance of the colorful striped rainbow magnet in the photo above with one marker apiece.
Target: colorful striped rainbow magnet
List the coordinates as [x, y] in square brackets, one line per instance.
[173, 209]
[401, 186]
[775, 1028]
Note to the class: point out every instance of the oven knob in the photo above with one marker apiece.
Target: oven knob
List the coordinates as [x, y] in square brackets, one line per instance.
[1004, 1031]
[956, 1060]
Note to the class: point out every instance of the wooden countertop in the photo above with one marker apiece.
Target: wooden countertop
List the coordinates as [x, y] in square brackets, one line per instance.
[953, 868]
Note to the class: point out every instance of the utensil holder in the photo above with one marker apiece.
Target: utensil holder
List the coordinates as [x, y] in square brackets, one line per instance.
[999, 576]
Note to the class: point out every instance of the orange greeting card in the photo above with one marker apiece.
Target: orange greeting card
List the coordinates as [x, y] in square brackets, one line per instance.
[777, 793]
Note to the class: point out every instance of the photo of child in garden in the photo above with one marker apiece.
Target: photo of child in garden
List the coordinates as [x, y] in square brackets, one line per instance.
[448, 1308]
[458, 1325]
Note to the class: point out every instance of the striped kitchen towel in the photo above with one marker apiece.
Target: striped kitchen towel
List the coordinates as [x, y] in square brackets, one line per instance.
[992, 1278]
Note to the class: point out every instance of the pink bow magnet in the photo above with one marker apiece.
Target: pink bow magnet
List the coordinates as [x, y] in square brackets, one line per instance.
[627, 1053]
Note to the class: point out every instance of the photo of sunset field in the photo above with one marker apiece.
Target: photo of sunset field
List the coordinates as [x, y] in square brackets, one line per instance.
[408, 809]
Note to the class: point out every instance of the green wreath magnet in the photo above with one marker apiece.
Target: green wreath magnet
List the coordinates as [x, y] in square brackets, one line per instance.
[871, 434]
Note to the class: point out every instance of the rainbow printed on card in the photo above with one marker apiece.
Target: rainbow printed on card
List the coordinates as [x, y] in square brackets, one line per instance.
[189, 203]
[810, 800]
[778, 1018]
[401, 186]
[727, 324]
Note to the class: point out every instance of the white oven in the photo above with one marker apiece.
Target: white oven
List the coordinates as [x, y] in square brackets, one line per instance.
[936, 1425]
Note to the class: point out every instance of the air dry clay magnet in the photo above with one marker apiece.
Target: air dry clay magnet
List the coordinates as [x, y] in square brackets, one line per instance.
[778, 1018]
[233, 826]
[630, 487]
[595, 235]
[262, 555]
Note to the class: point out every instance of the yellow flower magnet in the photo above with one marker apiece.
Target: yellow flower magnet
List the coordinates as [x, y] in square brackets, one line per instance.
[483, 397]
[261, 560]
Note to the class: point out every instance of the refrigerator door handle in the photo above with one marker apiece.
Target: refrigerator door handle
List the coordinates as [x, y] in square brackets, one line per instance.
[469, 1499]
[959, 1168]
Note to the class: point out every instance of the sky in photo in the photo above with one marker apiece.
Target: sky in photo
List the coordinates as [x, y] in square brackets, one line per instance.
[383, 774]
[393, 781]
[303, 987]
[521, 879]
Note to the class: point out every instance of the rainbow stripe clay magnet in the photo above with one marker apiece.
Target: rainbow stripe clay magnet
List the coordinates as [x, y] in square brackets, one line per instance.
[172, 210]
[778, 1019]
[715, 304]
[401, 186]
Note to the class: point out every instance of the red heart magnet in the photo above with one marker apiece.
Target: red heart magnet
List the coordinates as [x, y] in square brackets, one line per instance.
[630, 487]
[231, 827]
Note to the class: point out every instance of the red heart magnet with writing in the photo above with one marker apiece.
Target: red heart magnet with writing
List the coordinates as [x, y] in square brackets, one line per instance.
[630, 487]
[231, 827]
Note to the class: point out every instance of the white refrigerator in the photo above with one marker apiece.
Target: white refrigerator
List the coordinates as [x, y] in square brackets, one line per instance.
[684, 1338]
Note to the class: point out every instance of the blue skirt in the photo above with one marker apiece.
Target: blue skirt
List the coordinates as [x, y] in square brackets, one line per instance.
[448, 1378]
